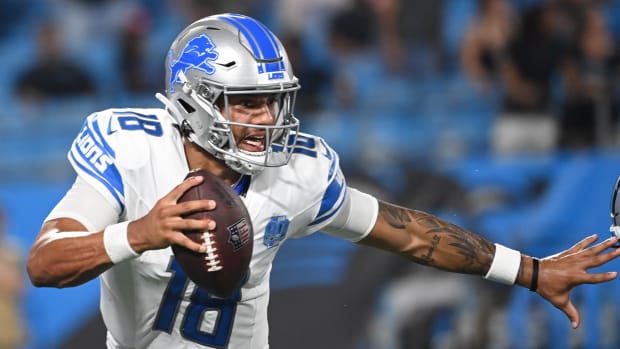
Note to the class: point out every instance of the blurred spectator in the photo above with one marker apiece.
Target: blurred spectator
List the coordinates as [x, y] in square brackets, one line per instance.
[354, 65]
[567, 19]
[90, 31]
[419, 26]
[133, 60]
[196, 9]
[589, 115]
[408, 33]
[526, 123]
[295, 15]
[390, 38]
[485, 45]
[13, 333]
[12, 14]
[369, 49]
[346, 35]
[86, 25]
[53, 73]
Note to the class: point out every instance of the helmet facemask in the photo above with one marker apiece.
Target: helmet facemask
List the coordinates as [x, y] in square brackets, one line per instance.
[203, 112]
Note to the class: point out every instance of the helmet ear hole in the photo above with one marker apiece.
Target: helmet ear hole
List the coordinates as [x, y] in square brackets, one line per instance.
[188, 108]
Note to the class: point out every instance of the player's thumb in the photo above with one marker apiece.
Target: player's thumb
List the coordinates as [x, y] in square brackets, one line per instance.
[573, 314]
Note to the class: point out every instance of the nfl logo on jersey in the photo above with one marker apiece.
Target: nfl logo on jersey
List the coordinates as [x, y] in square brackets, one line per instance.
[239, 234]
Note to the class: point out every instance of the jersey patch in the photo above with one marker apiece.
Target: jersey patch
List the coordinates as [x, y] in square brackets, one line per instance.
[275, 231]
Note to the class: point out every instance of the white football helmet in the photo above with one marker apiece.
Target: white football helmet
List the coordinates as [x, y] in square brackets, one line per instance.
[223, 55]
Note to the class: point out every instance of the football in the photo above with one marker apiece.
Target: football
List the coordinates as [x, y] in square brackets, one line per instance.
[223, 267]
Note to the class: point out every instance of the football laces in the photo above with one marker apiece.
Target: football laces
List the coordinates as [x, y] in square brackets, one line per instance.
[211, 256]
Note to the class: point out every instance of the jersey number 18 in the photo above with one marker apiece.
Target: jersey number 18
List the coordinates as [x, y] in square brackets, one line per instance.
[200, 304]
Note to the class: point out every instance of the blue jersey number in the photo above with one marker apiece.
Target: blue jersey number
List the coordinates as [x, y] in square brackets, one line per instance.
[136, 121]
[200, 303]
[300, 145]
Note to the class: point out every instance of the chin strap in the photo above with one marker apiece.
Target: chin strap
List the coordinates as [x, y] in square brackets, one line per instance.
[173, 111]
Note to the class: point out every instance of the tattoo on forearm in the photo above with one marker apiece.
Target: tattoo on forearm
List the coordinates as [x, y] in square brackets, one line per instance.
[427, 259]
[396, 217]
[477, 252]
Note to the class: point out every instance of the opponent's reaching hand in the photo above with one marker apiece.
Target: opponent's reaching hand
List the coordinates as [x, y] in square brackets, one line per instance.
[560, 273]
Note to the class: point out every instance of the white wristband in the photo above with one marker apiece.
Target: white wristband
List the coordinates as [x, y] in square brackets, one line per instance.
[505, 266]
[116, 243]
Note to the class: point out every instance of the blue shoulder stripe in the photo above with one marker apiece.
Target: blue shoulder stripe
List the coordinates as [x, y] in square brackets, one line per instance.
[332, 201]
[101, 179]
[93, 155]
[333, 156]
[333, 198]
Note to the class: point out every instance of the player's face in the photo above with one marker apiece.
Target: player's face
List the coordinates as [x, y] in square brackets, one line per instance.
[254, 109]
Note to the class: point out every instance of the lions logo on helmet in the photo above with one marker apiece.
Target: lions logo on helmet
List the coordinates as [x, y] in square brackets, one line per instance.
[197, 54]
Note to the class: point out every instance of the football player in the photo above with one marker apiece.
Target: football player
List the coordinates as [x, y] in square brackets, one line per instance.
[228, 108]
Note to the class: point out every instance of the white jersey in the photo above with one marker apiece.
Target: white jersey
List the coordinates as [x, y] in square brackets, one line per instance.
[134, 157]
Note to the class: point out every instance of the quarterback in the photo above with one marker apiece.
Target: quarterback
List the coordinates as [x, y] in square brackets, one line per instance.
[228, 108]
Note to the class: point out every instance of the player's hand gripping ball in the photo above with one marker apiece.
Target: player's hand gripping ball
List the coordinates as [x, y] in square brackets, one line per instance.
[225, 264]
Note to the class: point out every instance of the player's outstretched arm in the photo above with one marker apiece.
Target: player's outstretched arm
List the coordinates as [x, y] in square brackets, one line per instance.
[66, 254]
[431, 241]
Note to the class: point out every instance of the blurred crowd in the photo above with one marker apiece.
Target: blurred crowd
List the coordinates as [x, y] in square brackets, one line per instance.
[398, 87]
[443, 79]
[557, 63]
[546, 70]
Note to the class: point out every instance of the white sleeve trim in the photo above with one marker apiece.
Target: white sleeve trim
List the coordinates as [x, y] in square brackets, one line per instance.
[86, 205]
[356, 218]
